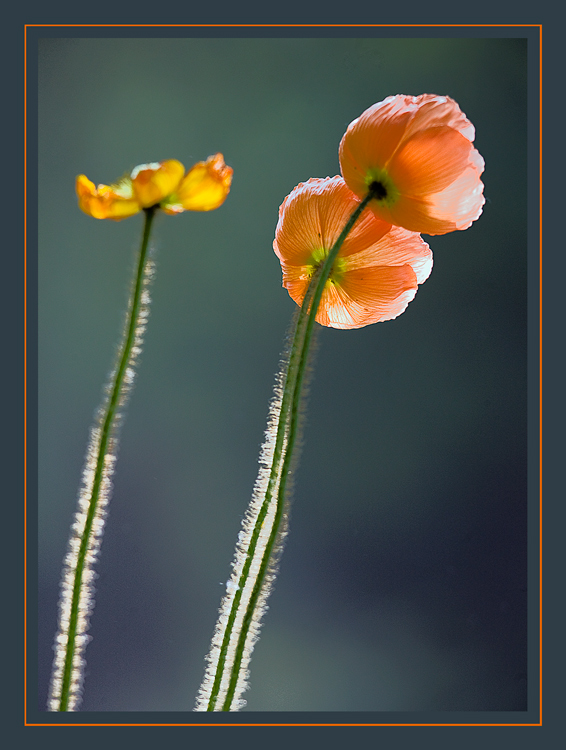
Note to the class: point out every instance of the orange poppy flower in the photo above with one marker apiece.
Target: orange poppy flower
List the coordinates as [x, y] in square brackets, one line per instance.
[416, 154]
[203, 188]
[377, 270]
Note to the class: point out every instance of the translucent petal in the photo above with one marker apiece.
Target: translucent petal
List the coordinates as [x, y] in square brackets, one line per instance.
[430, 161]
[419, 151]
[377, 270]
[204, 187]
[154, 182]
[367, 296]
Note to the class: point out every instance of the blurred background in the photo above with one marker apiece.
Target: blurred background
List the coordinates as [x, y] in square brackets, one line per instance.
[403, 582]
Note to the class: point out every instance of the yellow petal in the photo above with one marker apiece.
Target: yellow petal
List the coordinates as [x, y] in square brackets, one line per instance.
[152, 183]
[103, 202]
[204, 187]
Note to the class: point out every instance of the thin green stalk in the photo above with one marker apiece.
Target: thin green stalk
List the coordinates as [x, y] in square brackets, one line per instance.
[77, 600]
[227, 662]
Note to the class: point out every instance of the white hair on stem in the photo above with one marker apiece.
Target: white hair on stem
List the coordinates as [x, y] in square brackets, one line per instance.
[261, 539]
[77, 584]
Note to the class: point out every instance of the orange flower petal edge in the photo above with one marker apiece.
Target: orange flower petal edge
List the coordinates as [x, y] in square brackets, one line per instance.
[203, 188]
[416, 154]
[377, 270]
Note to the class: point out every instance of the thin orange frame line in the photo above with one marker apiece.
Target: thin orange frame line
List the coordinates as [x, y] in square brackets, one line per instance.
[539, 26]
[284, 25]
[25, 377]
[290, 724]
[540, 373]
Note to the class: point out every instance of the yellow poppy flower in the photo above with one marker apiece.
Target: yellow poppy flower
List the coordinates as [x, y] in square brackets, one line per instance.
[203, 188]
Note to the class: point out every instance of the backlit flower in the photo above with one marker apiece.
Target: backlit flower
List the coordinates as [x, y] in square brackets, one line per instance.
[416, 154]
[164, 184]
[377, 270]
[203, 188]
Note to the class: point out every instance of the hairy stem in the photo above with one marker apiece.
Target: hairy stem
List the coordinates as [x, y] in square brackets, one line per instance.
[77, 593]
[260, 542]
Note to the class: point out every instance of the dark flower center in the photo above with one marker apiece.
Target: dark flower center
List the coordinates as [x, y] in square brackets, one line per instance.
[378, 189]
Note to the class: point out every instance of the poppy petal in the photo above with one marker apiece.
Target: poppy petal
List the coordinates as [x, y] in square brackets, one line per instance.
[204, 187]
[398, 247]
[296, 280]
[103, 202]
[430, 161]
[433, 111]
[376, 134]
[367, 295]
[378, 267]
[319, 209]
[462, 202]
[412, 214]
[416, 155]
[154, 182]
[299, 233]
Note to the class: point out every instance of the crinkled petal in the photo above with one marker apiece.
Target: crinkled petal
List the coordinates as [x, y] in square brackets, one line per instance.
[373, 139]
[418, 153]
[204, 187]
[314, 214]
[338, 310]
[398, 247]
[431, 110]
[299, 232]
[377, 270]
[378, 293]
[461, 203]
[437, 214]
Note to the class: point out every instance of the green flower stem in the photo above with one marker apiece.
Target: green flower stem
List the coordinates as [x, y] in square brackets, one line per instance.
[234, 665]
[77, 602]
[292, 371]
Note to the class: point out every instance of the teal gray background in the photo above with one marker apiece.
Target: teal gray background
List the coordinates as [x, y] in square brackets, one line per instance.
[403, 581]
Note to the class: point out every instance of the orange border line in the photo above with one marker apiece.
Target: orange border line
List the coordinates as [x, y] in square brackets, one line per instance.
[540, 373]
[283, 725]
[264, 25]
[286, 25]
[25, 374]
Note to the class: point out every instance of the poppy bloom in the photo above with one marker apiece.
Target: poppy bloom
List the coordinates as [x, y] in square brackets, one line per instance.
[415, 154]
[164, 184]
[377, 270]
